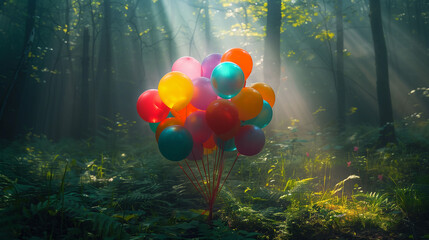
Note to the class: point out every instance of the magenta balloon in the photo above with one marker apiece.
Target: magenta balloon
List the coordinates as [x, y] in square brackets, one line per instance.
[209, 63]
[249, 140]
[189, 66]
[197, 152]
[197, 125]
[204, 93]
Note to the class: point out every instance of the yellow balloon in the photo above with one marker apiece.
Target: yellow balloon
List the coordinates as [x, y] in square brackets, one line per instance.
[176, 90]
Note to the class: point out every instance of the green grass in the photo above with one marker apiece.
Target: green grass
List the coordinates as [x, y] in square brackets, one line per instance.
[295, 189]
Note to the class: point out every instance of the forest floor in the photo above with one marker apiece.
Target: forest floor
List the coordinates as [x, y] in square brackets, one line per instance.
[297, 188]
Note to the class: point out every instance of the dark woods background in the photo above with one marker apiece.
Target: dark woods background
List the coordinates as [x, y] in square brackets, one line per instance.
[345, 156]
[73, 68]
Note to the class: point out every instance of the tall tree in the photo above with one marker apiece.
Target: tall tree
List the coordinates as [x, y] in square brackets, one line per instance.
[272, 44]
[84, 111]
[70, 124]
[387, 132]
[341, 96]
[104, 70]
[207, 29]
[11, 100]
[163, 19]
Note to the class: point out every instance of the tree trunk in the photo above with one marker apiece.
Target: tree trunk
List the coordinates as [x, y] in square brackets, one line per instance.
[93, 83]
[11, 100]
[70, 123]
[104, 70]
[272, 44]
[418, 8]
[341, 97]
[171, 44]
[207, 29]
[84, 112]
[387, 132]
[51, 117]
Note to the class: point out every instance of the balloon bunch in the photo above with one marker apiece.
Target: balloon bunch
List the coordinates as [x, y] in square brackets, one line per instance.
[205, 108]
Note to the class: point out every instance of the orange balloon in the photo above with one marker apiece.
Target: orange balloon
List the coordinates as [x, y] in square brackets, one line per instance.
[166, 123]
[183, 113]
[266, 91]
[249, 103]
[240, 57]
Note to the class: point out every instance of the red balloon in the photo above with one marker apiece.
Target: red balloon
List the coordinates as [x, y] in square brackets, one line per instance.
[222, 116]
[210, 143]
[231, 133]
[150, 107]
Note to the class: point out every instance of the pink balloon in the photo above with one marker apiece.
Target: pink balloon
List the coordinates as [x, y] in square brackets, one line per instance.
[204, 93]
[249, 140]
[189, 66]
[197, 152]
[197, 125]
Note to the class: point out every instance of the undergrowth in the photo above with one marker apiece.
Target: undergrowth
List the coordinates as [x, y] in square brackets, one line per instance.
[297, 188]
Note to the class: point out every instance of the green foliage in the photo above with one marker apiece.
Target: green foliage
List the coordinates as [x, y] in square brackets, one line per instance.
[73, 190]
[291, 191]
[87, 190]
[410, 200]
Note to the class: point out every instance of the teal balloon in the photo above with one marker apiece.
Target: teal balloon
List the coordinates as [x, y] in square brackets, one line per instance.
[227, 146]
[263, 118]
[227, 79]
[175, 143]
[153, 126]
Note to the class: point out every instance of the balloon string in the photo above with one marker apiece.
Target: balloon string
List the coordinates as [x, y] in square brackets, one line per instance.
[208, 170]
[196, 179]
[190, 179]
[235, 160]
[218, 158]
[218, 174]
[220, 169]
[214, 171]
[201, 175]
[206, 183]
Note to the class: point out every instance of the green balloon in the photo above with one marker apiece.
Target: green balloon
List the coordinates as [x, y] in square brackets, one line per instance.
[154, 126]
[263, 118]
[175, 143]
[227, 79]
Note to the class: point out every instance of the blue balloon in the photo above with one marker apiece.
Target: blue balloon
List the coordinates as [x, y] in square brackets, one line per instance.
[227, 79]
[153, 126]
[263, 118]
[227, 146]
[175, 143]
